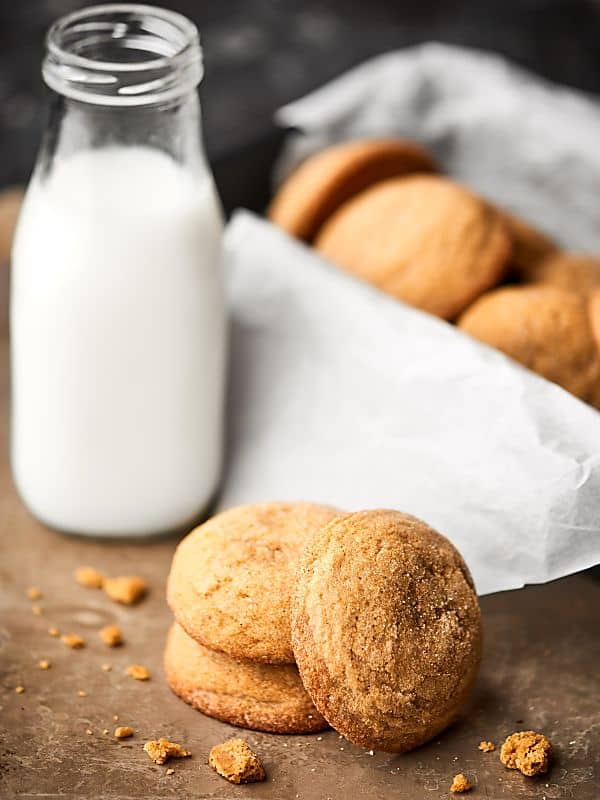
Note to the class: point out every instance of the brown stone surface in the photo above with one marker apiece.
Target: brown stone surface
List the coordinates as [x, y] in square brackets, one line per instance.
[540, 668]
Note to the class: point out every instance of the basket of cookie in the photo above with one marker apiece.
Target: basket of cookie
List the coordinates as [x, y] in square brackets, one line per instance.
[377, 209]
[415, 319]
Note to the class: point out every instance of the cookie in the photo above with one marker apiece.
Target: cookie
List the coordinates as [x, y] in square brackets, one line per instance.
[529, 245]
[544, 328]
[263, 697]
[386, 628]
[230, 580]
[594, 315]
[577, 272]
[423, 239]
[323, 182]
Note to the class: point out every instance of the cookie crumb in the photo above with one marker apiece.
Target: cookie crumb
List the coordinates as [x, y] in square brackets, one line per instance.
[105, 731]
[53, 631]
[19, 689]
[160, 750]
[111, 635]
[115, 717]
[138, 672]
[89, 732]
[170, 771]
[236, 762]
[527, 751]
[33, 593]
[126, 589]
[460, 784]
[106, 667]
[37, 610]
[90, 577]
[82, 693]
[44, 664]
[73, 641]
[486, 747]
[123, 732]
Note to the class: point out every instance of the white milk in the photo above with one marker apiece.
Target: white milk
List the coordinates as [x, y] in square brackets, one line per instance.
[118, 327]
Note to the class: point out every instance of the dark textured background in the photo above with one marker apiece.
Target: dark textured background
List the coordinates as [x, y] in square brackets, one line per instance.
[261, 53]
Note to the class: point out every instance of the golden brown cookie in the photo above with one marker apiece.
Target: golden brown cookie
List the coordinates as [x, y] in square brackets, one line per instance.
[423, 239]
[544, 328]
[386, 628]
[577, 272]
[529, 245]
[594, 315]
[230, 580]
[324, 181]
[263, 697]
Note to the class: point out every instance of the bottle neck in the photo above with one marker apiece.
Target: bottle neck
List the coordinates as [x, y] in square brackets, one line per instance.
[175, 128]
[123, 56]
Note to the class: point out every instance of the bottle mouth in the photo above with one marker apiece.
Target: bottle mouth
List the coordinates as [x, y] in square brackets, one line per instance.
[123, 54]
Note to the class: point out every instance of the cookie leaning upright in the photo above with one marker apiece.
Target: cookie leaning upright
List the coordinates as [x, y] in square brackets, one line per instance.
[230, 580]
[423, 239]
[320, 185]
[386, 628]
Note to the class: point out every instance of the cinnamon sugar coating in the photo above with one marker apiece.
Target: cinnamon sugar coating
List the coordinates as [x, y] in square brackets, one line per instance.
[386, 629]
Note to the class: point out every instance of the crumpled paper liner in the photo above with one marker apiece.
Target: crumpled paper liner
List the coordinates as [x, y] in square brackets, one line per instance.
[340, 394]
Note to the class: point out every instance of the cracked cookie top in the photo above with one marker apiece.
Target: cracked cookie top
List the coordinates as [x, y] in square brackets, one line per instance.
[230, 580]
[386, 628]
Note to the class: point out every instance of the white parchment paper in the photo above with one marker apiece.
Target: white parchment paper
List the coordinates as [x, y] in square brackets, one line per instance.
[341, 394]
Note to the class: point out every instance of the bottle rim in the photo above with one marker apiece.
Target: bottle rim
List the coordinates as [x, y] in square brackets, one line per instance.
[163, 58]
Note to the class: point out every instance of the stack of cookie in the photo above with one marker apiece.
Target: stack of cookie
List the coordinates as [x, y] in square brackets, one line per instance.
[229, 652]
[292, 616]
[377, 209]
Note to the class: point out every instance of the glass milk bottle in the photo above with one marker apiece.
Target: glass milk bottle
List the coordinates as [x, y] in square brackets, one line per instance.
[117, 307]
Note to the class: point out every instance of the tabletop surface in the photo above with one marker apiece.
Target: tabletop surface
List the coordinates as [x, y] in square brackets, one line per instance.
[540, 671]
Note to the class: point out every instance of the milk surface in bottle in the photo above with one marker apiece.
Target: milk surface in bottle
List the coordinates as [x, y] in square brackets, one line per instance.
[117, 309]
